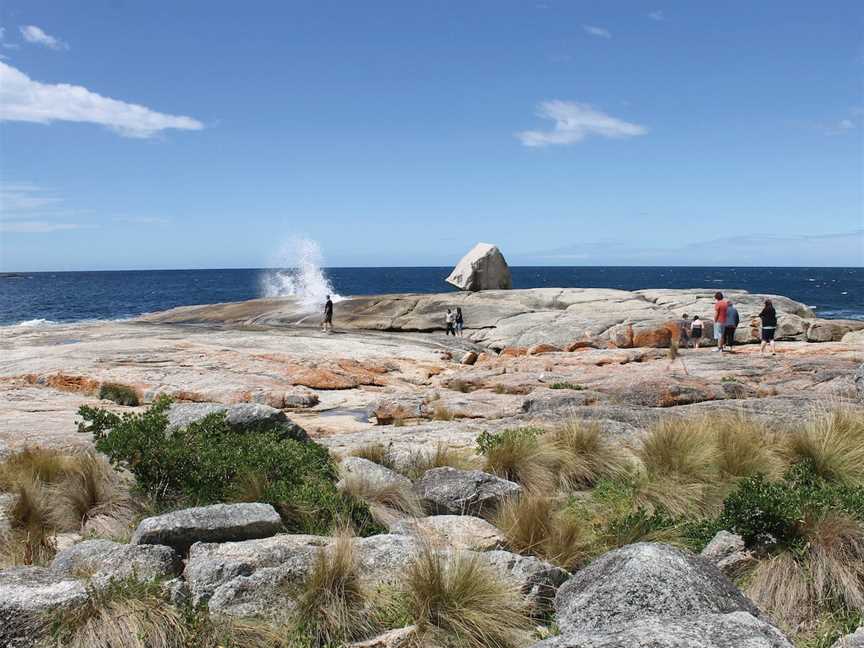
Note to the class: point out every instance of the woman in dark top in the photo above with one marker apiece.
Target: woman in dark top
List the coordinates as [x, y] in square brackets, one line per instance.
[460, 322]
[769, 326]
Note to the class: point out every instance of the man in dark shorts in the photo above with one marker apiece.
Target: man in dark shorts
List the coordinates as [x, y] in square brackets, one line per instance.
[732, 321]
[327, 322]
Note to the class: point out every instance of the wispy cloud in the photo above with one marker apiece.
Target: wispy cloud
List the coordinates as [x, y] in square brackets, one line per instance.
[600, 32]
[27, 208]
[839, 127]
[35, 35]
[574, 122]
[23, 99]
[142, 220]
[657, 15]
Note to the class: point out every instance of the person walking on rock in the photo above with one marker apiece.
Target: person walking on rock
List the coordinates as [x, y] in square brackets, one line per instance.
[720, 306]
[768, 318]
[696, 331]
[449, 321]
[684, 332]
[327, 322]
[732, 321]
[460, 321]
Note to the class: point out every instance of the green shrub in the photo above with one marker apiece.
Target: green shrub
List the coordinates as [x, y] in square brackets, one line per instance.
[208, 462]
[567, 385]
[762, 512]
[120, 394]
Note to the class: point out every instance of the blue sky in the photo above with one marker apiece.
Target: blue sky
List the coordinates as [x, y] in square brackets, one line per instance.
[206, 134]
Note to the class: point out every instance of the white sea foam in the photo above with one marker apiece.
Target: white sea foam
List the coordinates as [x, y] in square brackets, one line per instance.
[35, 322]
[301, 275]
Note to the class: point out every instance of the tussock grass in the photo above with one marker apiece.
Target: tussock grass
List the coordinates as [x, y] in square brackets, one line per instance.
[534, 524]
[780, 586]
[442, 455]
[377, 453]
[745, 447]
[833, 440]
[120, 394]
[673, 448]
[458, 596]
[591, 455]
[332, 604]
[442, 413]
[398, 497]
[526, 457]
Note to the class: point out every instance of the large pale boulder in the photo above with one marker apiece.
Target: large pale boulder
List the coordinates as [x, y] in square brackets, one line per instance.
[243, 417]
[660, 581]
[374, 474]
[456, 531]
[216, 523]
[449, 491]
[104, 561]
[483, 268]
[28, 596]
[733, 630]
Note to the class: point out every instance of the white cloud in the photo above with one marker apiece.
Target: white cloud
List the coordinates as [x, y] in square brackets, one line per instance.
[657, 15]
[573, 122]
[22, 99]
[839, 127]
[33, 34]
[26, 208]
[36, 227]
[600, 32]
[142, 220]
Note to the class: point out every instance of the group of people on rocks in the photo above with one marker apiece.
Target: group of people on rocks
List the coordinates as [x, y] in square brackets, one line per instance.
[726, 321]
[454, 322]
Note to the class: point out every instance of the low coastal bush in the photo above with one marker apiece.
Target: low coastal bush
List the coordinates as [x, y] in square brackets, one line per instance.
[459, 600]
[208, 462]
[567, 385]
[120, 394]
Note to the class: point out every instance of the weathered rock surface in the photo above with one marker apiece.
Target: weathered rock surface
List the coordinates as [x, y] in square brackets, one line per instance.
[537, 579]
[854, 640]
[661, 581]
[455, 531]
[482, 268]
[216, 523]
[448, 491]
[727, 551]
[27, 595]
[103, 561]
[732, 630]
[400, 638]
[243, 417]
[374, 474]
[859, 383]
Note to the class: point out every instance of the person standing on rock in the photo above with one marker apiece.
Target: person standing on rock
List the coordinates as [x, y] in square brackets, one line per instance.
[449, 321]
[696, 331]
[732, 321]
[768, 318]
[460, 321]
[327, 322]
[720, 306]
[684, 332]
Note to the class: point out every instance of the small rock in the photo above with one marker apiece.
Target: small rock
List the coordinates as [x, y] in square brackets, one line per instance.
[66, 540]
[513, 352]
[399, 638]
[722, 545]
[854, 640]
[537, 579]
[453, 531]
[397, 408]
[539, 349]
[375, 474]
[177, 591]
[28, 596]
[104, 561]
[243, 417]
[448, 491]
[216, 523]
[468, 358]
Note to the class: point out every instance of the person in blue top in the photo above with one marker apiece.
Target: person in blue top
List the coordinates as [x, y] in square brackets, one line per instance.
[732, 321]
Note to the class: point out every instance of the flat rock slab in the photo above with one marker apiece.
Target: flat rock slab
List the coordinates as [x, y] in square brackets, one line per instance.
[733, 630]
[456, 531]
[448, 491]
[27, 595]
[216, 523]
[641, 581]
[104, 561]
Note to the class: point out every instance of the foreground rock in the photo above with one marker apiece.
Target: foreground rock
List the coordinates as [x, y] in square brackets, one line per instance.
[28, 598]
[400, 638]
[727, 551]
[449, 491]
[854, 640]
[483, 268]
[104, 561]
[243, 417]
[216, 523]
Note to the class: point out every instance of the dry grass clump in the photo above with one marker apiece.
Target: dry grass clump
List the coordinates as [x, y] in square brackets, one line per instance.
[825, 572]
[458, 596]
[377, 453]
[442, 455]
[534, 524]
[398, 497]
[332, 606]
[591, 455]
[442, 413]
[526, 457]
[745, 447]
[56, 492]
[833, 440]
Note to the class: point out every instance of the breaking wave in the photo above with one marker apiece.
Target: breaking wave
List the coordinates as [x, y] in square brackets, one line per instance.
[300, 275]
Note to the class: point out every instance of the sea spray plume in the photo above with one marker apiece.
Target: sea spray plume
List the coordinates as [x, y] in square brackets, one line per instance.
[301, 276]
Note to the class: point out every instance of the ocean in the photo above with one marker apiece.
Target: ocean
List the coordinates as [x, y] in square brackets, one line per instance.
[45, 297]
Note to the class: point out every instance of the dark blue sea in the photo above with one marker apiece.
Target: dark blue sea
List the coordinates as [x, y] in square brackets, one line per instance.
[72, 296]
